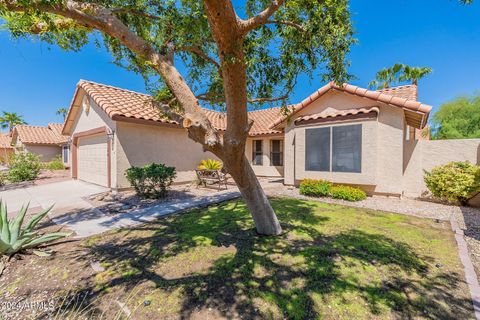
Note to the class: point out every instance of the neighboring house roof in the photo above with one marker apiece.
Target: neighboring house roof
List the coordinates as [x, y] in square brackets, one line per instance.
[416, 112]
[5, 141]
[339, 114]
[57, 129]
[119, 104]
[39, 135]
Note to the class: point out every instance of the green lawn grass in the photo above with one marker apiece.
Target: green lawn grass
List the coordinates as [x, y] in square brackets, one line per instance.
[331, 262]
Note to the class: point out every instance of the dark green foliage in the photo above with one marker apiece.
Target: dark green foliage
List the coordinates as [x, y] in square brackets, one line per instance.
[454, 182]
[151, 181]
[457, 119]
[25, 166]
[315, 188]
[347, 193]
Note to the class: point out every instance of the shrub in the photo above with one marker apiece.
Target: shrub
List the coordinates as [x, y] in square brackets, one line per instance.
[453, 182]
[25, 166]
[347, 193]
[151, 181]
[315, 188]
[55, 164]
[209, 164]
[14, 239]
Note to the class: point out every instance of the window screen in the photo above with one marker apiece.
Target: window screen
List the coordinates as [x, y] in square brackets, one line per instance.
[317, 149]
[276, 152]
[347, 148]
[257, 156]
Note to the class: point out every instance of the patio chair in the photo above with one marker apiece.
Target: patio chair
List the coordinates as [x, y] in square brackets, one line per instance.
[211, 177]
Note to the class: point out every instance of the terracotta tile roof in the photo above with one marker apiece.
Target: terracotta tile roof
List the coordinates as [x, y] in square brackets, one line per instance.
[340, 113]
[120, 102]
[403, 103]
[5, 141]
[37, 135]
[57, 129]
[409, 92]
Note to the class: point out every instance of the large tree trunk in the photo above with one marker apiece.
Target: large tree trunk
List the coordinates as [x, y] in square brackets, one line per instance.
[266, 221]
[229, 39]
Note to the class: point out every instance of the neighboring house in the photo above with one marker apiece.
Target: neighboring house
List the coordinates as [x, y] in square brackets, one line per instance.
[344, 134]
[6, 149]
[47, 142]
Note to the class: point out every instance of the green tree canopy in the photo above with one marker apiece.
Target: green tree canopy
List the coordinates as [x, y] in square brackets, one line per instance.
[459, 118]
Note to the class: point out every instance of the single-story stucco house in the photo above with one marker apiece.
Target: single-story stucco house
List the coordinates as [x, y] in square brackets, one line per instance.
[6, 148]
[345, 134]
[47, 142]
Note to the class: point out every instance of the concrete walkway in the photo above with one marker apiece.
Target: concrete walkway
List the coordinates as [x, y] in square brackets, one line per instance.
[66, 195]
[93, 221]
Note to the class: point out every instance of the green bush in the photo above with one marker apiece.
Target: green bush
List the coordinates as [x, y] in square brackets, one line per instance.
[453, 182]
[347, 193]
[55, 164]
[315, 188]
[151, 181]
[25, 166]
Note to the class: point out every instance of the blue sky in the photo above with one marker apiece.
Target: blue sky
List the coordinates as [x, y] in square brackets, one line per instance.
[36, 79]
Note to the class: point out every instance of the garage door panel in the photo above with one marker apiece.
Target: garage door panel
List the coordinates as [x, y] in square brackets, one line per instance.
[92, 159]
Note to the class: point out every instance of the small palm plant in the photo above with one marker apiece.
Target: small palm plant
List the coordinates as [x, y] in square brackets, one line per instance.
[210, 164]
[14, 239]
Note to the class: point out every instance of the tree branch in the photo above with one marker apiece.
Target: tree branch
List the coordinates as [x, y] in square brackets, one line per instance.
[135, 12]
[98, 17]
[287, 23]
[199, 52]
[261, 18]
[218, 99]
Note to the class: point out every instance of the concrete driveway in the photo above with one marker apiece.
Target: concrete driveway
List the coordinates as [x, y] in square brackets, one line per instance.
[66, 195]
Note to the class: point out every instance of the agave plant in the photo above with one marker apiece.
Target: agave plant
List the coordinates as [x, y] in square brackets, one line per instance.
[210, 164]
[14, 238]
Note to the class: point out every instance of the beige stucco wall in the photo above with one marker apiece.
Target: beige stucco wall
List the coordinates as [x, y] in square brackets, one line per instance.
[382, 145]
[95, 118]
[138, 144]
[46, 152]
[423, 155]
[264, 170]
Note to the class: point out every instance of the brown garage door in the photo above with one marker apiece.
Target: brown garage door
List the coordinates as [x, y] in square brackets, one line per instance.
[92, 159]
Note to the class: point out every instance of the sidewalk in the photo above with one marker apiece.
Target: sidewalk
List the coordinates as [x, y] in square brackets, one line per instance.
[92, 222]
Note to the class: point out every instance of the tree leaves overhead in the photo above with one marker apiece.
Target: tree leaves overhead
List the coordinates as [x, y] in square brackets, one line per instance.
[304, 36]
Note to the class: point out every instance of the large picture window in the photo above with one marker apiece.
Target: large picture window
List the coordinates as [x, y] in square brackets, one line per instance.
[317, 151]
[276, 152]
[257, 152]
[336, 149]
[347, 148]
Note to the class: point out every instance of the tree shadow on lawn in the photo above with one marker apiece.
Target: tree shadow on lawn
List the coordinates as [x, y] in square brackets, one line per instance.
[305, 273]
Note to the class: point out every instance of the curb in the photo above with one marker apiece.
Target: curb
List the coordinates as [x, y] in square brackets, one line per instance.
[470, 275]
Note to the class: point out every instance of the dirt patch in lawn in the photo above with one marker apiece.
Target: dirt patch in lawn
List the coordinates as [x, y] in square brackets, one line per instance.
[331, 262]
